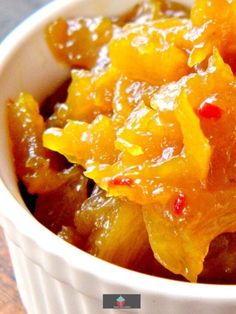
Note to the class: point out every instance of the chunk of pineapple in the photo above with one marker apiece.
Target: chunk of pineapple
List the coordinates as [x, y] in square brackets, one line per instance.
[115, 229]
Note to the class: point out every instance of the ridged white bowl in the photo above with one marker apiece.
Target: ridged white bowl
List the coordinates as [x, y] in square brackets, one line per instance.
[54, 277]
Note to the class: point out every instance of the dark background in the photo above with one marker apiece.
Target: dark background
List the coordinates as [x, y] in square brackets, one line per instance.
[12, 12]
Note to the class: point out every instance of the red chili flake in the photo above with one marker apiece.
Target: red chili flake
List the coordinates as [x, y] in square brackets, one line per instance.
[209, 111]
[179, 204]
[121, 181]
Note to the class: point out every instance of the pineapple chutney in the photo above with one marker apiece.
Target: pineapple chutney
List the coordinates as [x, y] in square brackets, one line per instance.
[136, 162]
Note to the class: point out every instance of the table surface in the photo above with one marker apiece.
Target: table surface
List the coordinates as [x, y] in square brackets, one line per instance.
[9, 298]
[12, 13]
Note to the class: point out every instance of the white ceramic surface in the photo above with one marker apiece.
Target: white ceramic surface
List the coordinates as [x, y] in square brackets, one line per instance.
[54, 277]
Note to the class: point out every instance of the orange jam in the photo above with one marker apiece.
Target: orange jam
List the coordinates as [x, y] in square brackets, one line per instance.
[136, 163]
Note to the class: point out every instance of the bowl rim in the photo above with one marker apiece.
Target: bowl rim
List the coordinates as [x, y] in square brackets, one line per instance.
[15, 214]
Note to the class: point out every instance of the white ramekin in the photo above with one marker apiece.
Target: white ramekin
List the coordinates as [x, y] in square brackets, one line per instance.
[54, 277]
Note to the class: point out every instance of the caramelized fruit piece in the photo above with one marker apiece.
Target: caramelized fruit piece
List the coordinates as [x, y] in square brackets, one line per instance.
[215, 82]
[214, 26]
[127, 95]
[149, 265]
[115, 229]
[146, 134]
[180, 243]
[50, 104]
[150, 51]
[152, 10]
[57, 208]
[176, 9]
[196, 145]
[82, 142]
[219, 265]
[151, 182]
[70, 235]
[33, 163]
[88, 96]
[78, 42]
[142, 12]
